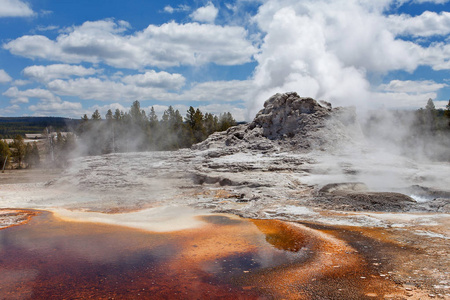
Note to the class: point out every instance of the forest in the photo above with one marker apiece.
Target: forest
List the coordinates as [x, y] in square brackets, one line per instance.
[13, 126]
[120, 131]
[136, 131]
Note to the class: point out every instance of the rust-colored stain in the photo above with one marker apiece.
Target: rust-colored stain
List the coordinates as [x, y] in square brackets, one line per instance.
[16, 216]
[228, 258]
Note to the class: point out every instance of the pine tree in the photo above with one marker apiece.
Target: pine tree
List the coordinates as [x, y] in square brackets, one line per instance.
[430, 116]
[32, 155]
[5, 153]
[109, 115]
[117, 114]
[190, 117]
[19, 149]
[96, 115]
[226, 121]
[153, 118]
[198, 129]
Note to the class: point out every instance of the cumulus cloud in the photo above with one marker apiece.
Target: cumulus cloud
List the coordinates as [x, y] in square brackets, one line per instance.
[427, 24]
[96, 89]
[405, 94]
[4, 77]
[15, 8]
[108, 90]
[207, 14]
[48, 103]
[63, 108]
[437, 56]
[326, 50]
[170, 44]
[48, 73]
[156, 79]
[18, 96]
[219, 91]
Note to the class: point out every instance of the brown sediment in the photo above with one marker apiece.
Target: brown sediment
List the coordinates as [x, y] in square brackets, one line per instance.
[14, 217]
[227, 258]
[419, 266]
[334, 270]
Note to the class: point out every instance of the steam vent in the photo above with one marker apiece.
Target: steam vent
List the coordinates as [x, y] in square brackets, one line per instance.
[289, 122]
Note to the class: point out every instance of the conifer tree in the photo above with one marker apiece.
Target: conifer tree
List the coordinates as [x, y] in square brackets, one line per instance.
[96, 115]
[19, 149]
[5, 153]
[109, 115]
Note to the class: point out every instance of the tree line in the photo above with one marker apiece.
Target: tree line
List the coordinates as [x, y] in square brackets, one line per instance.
[120, 131]
[423, 133]
[18, 153]
[136, 130]
[10, 127]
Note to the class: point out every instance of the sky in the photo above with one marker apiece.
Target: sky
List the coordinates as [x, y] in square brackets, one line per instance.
[69, 58]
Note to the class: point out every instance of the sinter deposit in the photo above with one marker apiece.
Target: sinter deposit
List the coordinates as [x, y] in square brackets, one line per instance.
[291, 123]
[298, 160]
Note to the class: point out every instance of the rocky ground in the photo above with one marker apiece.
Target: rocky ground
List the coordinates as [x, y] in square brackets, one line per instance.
[299, 161]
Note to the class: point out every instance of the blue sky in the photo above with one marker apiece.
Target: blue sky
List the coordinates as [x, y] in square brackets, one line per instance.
[68, 58]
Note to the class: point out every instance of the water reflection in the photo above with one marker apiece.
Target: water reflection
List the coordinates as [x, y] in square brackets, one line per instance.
[227, 257]
[50, 258]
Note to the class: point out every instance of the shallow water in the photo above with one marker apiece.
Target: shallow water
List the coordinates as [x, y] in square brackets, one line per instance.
[228, 257]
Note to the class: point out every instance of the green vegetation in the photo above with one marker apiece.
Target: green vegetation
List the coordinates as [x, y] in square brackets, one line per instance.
[135, 131]
[5, 153]
[11, 127]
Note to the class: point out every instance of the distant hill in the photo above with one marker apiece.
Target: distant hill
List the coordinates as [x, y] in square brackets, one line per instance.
[12, 126]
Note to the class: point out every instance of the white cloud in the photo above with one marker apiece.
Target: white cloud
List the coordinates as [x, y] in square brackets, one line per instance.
[326, 49]
[107, 90]
[239, 114]
[7, 111]
[45, 28]
[48, 104]
[401, 100]
[4, 77]
[48, 73]
[18, 96]
[205, 14]
[170, 44]
[21, 82]
[63, 108]
[410, 86]
[156, 79]
[14, 8]
[180, 8]
[426, 24]
[437, 56]
[169, 9]
[405, 94]
[219, 91]
[431, 1]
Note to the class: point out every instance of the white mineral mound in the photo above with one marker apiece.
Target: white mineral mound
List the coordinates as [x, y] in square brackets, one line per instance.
[289, 122]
